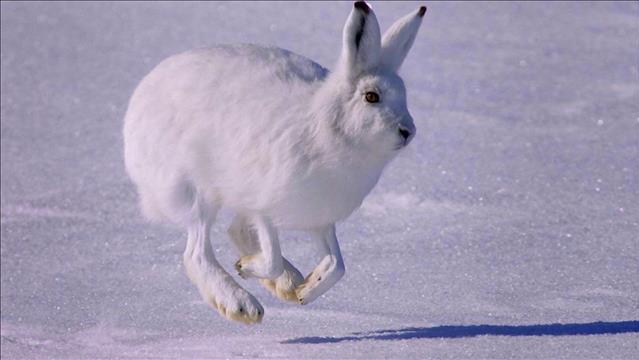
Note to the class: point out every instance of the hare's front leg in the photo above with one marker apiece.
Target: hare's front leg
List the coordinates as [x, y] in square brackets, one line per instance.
[216, 286]
[328, 272]
[267, 262]
[245, 240]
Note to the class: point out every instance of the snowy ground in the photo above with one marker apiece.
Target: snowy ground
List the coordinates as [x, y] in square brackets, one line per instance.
[508, 229]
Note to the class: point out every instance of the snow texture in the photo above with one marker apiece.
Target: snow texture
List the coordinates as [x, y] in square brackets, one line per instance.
[508, 228]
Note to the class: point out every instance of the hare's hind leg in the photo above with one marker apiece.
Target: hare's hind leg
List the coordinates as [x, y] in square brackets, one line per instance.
[246, 242]
[216, 286]
[327, 272]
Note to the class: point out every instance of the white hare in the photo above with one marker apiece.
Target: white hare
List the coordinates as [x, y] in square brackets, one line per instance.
[277, 139]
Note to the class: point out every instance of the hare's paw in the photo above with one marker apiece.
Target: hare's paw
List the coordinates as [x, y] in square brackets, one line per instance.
[325, 275]
[309, 290]
[284, 287]
[219, 290]
[238, 306]
[256, 266]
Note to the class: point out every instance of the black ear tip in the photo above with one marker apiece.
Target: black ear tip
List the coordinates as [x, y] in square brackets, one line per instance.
[361, 5]
[422, 11]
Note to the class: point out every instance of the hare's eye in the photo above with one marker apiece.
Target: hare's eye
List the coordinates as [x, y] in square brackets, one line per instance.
[371, 97]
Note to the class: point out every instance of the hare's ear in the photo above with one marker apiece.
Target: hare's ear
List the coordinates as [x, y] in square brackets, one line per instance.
[361, 40]
[399, 38]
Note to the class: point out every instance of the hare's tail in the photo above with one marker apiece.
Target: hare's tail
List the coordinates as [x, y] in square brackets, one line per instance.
[176, 202]
[150, 208]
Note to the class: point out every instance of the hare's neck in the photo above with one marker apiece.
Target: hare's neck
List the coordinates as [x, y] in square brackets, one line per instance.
[323, 131]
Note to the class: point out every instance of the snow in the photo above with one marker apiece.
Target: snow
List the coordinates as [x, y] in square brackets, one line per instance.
[508, 228]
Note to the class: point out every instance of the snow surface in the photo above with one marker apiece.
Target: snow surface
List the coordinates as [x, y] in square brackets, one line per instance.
[508, 229]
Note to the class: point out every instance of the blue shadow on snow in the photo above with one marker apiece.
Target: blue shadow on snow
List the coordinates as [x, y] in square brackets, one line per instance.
[461, 331]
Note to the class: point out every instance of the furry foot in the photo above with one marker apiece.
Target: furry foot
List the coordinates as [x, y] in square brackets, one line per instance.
[284, 287]
[304, 292]
[255, 266]
[325, 275]
[240, 306]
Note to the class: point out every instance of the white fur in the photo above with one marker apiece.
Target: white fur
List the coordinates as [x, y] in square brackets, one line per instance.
[276, 138]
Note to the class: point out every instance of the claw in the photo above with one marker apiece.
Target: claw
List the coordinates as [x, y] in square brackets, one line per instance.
[238, 268]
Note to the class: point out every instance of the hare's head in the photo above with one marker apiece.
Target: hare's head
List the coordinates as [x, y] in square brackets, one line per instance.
[371, 96]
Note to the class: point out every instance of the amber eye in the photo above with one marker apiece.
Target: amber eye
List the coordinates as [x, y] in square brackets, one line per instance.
[371, 97]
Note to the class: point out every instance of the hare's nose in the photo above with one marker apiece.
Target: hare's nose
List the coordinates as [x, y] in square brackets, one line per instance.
[404, 133]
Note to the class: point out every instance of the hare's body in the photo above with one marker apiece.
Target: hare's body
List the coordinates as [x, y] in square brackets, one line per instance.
[274, 137]
[199, 126]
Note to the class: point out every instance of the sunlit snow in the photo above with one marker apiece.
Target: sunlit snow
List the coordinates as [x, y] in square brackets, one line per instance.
[508, 229]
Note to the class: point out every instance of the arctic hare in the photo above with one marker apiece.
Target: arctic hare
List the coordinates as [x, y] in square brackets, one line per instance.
[277, 139]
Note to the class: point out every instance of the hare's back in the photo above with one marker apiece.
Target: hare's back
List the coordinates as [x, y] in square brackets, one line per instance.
[282, 64]
[232, 82]
[226, 82]
[240, 68]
